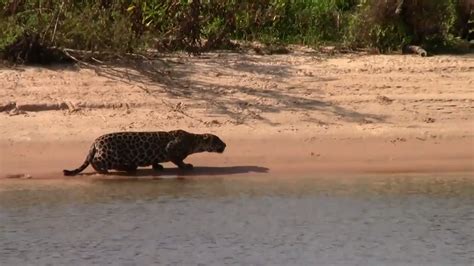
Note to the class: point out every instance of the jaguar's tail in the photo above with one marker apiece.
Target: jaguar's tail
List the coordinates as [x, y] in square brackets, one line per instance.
[84, 165]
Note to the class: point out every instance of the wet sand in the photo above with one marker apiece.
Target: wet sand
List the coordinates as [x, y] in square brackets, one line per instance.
[264, 157]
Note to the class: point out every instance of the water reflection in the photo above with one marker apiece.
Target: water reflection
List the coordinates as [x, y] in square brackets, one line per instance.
[388, 220]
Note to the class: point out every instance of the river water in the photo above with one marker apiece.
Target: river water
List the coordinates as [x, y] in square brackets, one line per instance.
[389, 220]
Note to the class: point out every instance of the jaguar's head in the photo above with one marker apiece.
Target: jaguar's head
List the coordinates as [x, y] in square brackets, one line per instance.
[212, 143]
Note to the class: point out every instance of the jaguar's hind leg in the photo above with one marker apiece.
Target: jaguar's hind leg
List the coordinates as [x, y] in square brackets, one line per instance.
[99, 167]
[126, 168]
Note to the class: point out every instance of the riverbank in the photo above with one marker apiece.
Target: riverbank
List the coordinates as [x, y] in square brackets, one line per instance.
[298, 114]
[289, 156]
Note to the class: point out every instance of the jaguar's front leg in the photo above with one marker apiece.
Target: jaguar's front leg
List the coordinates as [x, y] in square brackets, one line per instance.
[177, 151]
[157, 167]
[182, 165]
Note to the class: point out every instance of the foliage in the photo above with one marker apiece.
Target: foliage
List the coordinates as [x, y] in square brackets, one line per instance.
[125, 26]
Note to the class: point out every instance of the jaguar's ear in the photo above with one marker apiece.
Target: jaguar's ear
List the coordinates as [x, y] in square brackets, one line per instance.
[205, 137]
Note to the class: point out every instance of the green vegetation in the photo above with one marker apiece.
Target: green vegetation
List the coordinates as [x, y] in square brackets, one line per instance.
[126, 26]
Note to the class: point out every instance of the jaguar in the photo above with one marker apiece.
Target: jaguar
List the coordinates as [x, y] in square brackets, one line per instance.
[126, 151]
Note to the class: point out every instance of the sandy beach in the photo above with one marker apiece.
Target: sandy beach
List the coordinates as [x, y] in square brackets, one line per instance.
[304, 113]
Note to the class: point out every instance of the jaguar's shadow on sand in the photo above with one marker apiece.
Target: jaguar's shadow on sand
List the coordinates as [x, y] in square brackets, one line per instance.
[196, 171]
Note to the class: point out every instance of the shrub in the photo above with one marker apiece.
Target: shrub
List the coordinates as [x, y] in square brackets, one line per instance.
[388, 25]
[122, 26]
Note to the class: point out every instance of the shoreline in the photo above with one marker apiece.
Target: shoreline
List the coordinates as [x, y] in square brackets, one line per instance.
[302, 113]
[273, 157]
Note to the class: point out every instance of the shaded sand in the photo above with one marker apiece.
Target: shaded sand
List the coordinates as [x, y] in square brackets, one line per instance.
[299, 114]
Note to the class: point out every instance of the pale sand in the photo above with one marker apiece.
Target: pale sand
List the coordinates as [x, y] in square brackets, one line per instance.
[295, 115]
